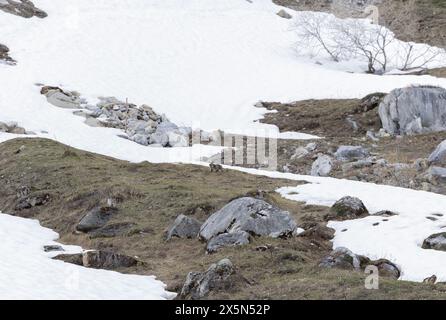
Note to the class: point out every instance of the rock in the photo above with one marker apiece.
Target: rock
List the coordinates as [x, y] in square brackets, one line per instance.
[318, 231]
[159, 138]
[61, 99]
[183, 227]
[107, 260]
[251, 215]
[11, 127]
[219, 276]
[283, 14]
[436, 242]
[322, 166]
[51, 248]
[178, 140]
[22, 8]
[32, 201]
[113, 230]
[438, 157]
[237, 238]
[386, 268]
[436, 175]
[421, 165]
[140, 139]
[95, 219]
[70, 258]
[350, 153]
[371, 101]
[358, 164]
[348, 208]
[343, 258]
[414, 110]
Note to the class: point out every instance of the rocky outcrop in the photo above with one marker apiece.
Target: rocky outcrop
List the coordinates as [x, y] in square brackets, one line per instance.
[251, 215]
[140, 124]
[183, 227]
[438, 157]
[22, 8]
[220, 276]
[343, 258]
[348, 208]
[237, 238]
[95, 219]
[351, 153]
[52, 248]
[322, 166]
[436, 242]
[414, 110]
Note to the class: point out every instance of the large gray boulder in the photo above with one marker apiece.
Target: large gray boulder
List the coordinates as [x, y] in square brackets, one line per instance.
[237, 238]
[348, 208]
[322, 166]
[436, 241]
[351, 153]
[95, 219]
[414, 110]
[183, 227]
[438, 157]
[251, 215]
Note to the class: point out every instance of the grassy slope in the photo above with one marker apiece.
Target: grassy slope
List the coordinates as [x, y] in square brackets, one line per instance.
[152, 195]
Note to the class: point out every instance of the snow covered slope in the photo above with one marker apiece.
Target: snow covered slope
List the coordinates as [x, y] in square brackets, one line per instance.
[202, 62]
[27, 272]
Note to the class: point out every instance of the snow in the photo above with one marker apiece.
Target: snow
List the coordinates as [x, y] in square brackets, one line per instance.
[398, 240]
[204, 63]
[27, 272]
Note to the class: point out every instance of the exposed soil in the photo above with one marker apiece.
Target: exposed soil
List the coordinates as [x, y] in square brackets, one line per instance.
[150, 196]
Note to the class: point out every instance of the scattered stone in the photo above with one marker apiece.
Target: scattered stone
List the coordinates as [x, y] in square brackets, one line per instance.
[283, 14]
[436, 242]
[385, 213]
[322, 166]
[107, 260]
[350, 153]
[348, 208]
[414, 110]
[237, 238]
[51, 248]
[95, 219]
[184, 227]
[219, 276]
[360, 164]
[251, 215]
